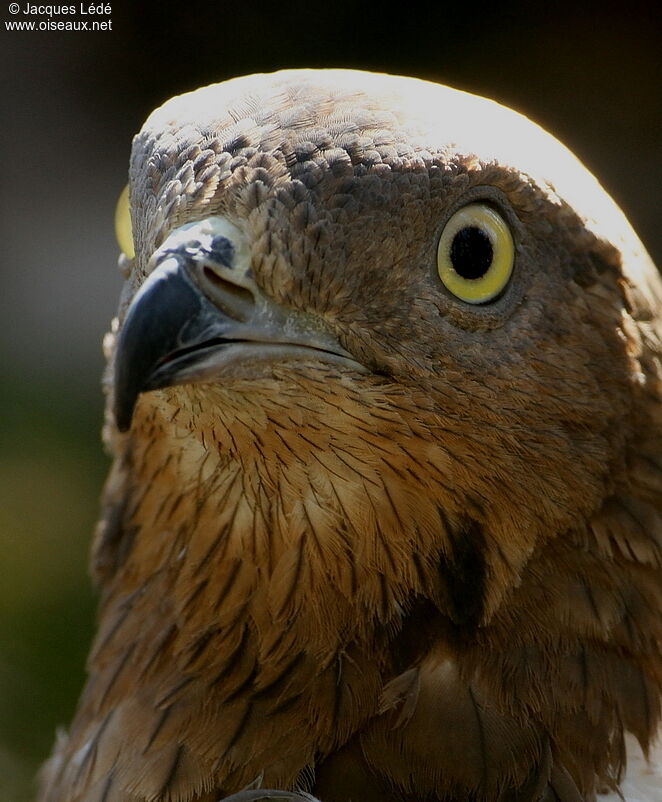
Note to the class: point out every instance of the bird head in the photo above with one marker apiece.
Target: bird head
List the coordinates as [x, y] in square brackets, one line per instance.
[420, 282]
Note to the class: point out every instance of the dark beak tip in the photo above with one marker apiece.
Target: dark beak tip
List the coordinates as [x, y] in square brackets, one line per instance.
[152, 328]
[123, 422]
[123, 410]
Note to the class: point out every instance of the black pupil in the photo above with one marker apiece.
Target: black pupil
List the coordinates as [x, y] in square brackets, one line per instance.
[471, 252]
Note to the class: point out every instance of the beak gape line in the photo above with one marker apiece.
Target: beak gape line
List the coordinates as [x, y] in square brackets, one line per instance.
[200, 313]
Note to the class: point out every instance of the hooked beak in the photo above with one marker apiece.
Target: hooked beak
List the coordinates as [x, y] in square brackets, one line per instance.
[200, 316]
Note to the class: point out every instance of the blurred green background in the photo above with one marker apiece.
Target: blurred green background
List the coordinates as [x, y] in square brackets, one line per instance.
[72, 101]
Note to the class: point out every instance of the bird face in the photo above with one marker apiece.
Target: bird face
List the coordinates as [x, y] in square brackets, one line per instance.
[304, 259]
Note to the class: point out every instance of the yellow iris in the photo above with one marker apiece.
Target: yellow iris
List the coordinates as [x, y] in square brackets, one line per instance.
[476, 254]
[123, 230]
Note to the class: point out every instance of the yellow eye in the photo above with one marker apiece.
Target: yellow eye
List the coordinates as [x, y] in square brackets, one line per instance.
[476, 254]
[123, 230]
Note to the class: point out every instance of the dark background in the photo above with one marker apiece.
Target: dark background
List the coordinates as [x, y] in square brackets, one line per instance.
[70, 105]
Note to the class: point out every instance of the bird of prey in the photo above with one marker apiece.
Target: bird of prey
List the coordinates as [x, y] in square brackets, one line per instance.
[384, 520]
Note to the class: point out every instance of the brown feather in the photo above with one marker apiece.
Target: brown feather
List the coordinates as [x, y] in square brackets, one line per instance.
[438, 578]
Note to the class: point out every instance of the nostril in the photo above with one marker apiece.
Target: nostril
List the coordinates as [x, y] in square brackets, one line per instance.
[234, 301]
[222, 250]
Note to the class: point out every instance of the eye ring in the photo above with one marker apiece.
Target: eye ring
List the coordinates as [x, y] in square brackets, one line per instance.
[476, 254]
[123, 228]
